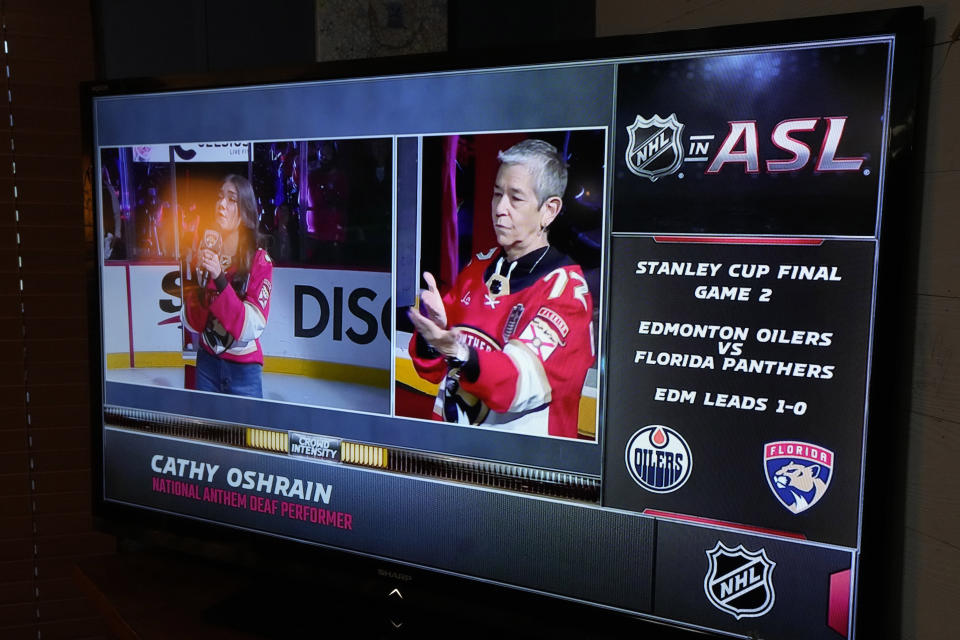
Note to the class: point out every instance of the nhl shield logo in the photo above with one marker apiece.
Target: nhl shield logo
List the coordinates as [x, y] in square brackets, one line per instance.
[654, 149]
[739, 582]
[798, 473]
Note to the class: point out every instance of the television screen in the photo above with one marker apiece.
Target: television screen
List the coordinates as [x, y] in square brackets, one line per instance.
[594, 324]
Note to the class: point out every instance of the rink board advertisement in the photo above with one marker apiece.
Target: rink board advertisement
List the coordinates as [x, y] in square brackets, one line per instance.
[737, 257]
[317, 315]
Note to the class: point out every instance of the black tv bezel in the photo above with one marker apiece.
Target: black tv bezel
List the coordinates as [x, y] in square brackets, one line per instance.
[878, 595]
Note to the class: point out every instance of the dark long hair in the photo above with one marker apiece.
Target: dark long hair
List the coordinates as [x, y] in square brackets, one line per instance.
[250, 239]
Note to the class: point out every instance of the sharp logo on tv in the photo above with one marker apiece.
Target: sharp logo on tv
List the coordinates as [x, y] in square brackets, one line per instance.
[739, 582]
[659, 459]
[798, 473]
[656, 147]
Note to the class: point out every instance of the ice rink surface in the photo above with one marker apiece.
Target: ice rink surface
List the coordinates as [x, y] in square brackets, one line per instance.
[277, 386]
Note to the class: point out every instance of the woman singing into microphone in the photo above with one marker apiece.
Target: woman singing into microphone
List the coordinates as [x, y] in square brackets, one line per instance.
[229, 301]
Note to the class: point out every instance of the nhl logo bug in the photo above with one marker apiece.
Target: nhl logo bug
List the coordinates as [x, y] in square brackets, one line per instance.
[739, 582]
[654, 148]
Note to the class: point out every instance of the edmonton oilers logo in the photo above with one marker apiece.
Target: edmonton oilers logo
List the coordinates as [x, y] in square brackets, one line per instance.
[658, 459]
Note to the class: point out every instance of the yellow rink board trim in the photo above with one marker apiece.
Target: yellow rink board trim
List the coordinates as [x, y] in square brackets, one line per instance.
[380, 378]
[354, 374]
[340, 372]
[145, 359]
[407, 375]
[587, 417]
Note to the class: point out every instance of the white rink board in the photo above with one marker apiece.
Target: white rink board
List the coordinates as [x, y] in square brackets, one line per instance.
[340, 320]
[361, 339]
[116, 327]
[147, 295]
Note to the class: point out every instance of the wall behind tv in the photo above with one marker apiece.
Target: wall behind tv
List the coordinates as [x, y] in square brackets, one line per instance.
[45, 248]
[931, 532]
[144, 39]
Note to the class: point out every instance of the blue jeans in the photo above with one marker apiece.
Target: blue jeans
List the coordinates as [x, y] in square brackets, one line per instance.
[223, 376]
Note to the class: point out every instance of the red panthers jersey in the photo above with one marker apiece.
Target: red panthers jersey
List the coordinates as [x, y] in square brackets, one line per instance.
[230, 326]
[529, 326]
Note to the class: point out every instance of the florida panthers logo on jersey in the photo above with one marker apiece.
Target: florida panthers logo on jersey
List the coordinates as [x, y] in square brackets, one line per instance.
[654, 149]
[545, 333]
[540, 337]
[798, 473]
[738, 581]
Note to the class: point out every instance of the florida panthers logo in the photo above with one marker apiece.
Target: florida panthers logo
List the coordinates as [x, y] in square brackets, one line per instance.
[798, 473]
[654, 148]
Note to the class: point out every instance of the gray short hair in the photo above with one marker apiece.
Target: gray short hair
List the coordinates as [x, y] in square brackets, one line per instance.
[544, 163]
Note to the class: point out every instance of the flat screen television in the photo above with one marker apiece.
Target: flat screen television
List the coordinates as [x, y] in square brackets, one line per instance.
[639, 375]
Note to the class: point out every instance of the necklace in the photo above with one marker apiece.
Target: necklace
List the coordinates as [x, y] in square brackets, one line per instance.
[545, 250]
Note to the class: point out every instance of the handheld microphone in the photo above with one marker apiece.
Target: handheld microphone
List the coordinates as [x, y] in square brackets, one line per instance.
[213, 241]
